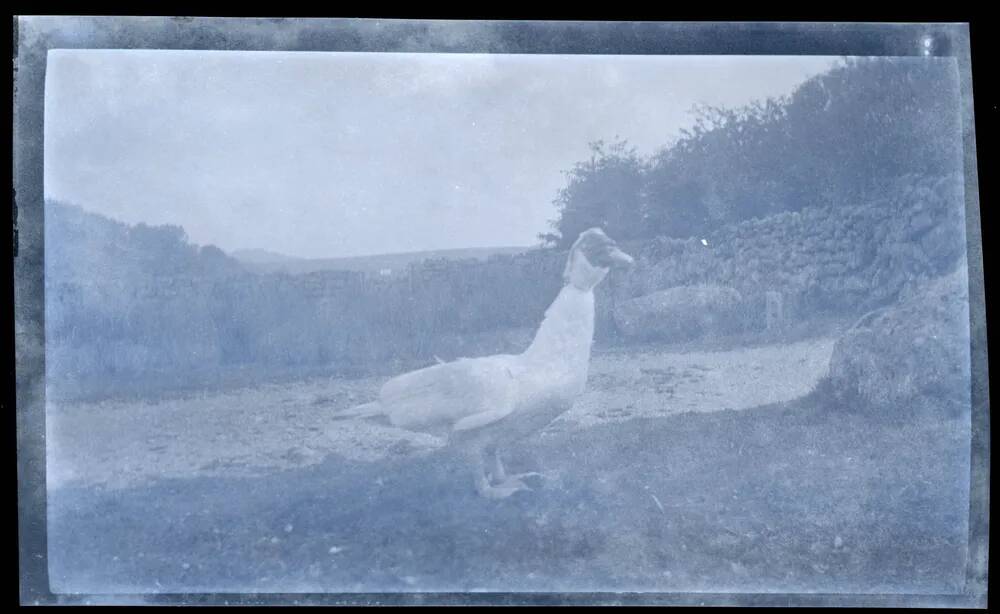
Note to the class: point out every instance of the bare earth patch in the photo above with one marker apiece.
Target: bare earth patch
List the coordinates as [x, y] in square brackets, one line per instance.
[657, 384]
[260, 430]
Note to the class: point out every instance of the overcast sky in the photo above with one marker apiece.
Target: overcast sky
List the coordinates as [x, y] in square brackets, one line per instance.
[341, 154]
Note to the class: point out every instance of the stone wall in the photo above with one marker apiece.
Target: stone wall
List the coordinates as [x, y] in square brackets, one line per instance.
[819, 260]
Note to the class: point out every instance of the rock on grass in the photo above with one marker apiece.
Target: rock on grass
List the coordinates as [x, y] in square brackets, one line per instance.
[914, 352]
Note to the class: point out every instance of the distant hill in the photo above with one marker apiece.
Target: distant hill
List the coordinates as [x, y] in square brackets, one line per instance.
[83, 247]
[261, 256]
[265, 261]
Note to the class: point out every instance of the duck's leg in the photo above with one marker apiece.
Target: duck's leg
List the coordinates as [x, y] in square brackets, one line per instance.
[500, 473]
[504, 489]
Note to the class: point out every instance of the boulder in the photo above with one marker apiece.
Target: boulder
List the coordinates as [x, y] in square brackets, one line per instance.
[913, 353]
[680, 313]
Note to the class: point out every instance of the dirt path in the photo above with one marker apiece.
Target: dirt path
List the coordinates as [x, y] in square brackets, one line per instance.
[256, 431]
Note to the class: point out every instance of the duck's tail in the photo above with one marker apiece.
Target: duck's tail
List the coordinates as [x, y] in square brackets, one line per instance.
[365, 410]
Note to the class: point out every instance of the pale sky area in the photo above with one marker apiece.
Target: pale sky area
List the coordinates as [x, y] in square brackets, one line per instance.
[342, 154]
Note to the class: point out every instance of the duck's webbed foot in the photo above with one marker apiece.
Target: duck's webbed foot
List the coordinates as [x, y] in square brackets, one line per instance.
[535, 479]
[499, 485]
[501, 490]
[500, 473]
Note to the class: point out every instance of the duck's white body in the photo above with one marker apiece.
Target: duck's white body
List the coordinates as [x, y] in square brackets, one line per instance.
[491, 401]
[472, 393]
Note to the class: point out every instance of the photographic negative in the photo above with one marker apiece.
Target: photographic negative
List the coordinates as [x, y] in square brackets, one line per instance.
[353, 310]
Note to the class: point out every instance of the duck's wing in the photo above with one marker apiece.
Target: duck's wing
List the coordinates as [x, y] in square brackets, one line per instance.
[481, 419]
[449, 393]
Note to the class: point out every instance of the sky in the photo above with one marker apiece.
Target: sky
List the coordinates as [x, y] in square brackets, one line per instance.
[320, 155]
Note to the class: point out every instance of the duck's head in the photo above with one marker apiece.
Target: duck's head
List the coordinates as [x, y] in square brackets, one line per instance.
[591, 257]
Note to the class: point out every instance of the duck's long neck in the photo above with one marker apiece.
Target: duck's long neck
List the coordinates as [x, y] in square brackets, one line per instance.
[567, 332]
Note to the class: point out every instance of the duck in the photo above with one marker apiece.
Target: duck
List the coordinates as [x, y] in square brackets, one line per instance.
[484, 404]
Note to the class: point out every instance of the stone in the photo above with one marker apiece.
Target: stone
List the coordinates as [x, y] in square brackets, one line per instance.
[914, 351]
[679, 313]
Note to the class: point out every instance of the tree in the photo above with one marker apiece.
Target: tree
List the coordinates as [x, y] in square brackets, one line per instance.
[604, 191]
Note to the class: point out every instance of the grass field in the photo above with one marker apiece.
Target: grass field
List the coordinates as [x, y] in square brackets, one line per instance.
[681, 471]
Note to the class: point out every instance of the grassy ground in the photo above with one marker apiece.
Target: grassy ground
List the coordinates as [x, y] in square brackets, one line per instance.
[799, 497]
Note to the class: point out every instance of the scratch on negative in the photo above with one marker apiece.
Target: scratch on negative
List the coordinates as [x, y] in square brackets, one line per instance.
[657, 502]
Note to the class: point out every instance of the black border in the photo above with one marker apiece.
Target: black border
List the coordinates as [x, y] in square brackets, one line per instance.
[33, 36]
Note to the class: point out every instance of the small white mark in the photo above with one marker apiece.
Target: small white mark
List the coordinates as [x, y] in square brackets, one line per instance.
[704, 242]
[657, 502]
[336, 549]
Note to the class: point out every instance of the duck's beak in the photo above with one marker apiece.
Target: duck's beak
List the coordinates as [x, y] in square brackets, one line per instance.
[620, 258]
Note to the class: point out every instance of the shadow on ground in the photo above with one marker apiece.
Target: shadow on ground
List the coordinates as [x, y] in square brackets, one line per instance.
[791, 498]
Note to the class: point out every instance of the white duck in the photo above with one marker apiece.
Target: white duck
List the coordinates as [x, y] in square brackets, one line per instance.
[486, 403]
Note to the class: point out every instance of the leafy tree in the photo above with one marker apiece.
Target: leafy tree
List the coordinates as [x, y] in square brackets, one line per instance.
[604, 191]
